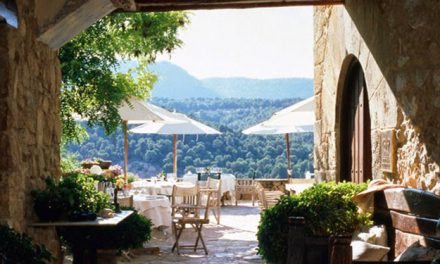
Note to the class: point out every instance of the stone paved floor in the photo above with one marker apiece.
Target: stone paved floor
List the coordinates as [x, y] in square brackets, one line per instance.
[233, 241]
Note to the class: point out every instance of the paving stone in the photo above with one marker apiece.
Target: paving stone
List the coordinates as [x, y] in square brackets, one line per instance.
[233, 241]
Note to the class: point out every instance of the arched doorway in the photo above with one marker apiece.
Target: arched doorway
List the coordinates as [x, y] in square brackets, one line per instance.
[355, 148]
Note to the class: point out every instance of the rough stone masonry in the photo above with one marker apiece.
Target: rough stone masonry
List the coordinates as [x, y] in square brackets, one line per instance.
[30, 81]
[398, 46]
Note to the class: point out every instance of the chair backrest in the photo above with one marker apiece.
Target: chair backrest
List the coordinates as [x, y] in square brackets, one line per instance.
[213, 183]
[245, 186]
[186, 201]
[245, 182]
[185, 196]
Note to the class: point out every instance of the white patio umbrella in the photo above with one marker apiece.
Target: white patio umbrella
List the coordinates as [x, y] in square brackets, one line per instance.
[184, 126]
[296, 118]
[137, 112]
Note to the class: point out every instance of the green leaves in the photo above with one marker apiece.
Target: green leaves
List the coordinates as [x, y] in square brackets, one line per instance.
[91, 86]
[18, 248]
[327, 208]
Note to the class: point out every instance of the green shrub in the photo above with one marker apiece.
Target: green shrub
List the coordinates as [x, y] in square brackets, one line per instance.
[131, 233]
[327, 207]
[18, 248]
[74, 193]
[81, 195]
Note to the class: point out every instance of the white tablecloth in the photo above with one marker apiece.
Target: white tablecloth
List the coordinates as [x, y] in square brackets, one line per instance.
[228, 181]
[158, 188]
[147, 187]
[155, 207]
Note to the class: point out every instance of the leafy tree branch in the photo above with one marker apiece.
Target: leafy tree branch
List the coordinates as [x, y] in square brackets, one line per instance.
[91, 87]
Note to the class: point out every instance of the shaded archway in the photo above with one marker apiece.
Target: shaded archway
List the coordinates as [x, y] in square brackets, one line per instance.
[354, 139]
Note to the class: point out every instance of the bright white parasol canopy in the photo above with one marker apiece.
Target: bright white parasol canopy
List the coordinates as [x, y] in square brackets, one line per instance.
[175, 123]
[183, 125]
[137, 112]
[297, 118]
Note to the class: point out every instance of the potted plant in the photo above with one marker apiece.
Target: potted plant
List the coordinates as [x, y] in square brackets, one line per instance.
[49, 204]
[19, 248]
[104, 164]
[130, 180]
[74, 196]
[88, 163]
[131, 233]
[328, 210]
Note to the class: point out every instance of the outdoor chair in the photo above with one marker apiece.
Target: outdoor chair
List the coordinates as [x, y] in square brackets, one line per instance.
[213, 188]
[185, 210]
[244, 186]
[267, 198]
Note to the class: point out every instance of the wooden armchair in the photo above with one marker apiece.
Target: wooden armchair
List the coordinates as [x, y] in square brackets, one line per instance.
[267, 198]
[213, 188]
[185, 209]
[245, 186]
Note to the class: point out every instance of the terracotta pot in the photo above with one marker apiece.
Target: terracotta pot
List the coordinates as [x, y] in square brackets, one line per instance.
[88, 165]
[105, 165]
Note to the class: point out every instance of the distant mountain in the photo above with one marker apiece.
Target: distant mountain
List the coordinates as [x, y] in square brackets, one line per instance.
[176, 83]
[257, 88]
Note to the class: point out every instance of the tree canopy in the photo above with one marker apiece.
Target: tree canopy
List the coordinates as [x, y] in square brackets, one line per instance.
[91, 87]
[242, 155]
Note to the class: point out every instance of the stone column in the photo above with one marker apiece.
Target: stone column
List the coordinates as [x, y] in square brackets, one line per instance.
[30, 126]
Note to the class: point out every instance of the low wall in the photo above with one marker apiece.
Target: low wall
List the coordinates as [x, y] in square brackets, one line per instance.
[272, 184]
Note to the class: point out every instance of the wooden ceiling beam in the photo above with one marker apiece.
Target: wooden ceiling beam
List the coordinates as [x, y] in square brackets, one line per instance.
[174, 5]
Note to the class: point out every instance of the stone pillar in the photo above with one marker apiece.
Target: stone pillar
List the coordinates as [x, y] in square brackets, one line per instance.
[30, 126]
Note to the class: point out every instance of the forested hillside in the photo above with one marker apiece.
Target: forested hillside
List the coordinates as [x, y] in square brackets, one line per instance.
[240, 154]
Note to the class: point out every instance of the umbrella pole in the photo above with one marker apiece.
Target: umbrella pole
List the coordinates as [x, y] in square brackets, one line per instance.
[175, 154]
[125, 127]
[289, 167]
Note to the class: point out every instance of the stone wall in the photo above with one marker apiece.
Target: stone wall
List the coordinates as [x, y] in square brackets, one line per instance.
[29, 122]
[272, 184]
[398, 45]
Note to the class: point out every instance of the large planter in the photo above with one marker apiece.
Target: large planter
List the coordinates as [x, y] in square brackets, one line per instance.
[88, 165]
[305, 249]
[105, 164]
[106, 256]
[48, 211]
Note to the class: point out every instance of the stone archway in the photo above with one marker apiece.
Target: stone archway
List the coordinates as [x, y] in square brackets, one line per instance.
[353, 124]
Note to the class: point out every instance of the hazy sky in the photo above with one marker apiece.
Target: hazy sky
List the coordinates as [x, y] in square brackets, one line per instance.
[257, 43]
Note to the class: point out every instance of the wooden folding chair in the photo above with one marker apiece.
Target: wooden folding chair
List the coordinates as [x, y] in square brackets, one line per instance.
[213, 187]
[244, 186]
[186, 206]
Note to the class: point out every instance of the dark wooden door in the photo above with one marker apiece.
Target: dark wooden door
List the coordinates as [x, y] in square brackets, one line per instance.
[355, 128]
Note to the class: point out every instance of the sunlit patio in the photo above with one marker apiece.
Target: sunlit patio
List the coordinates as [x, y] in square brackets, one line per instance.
[233, 241]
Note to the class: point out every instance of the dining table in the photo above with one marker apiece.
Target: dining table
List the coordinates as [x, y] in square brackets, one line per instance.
[86, 251]
[157, 208]
[227, 185]
[153, 187]
[227, 181]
